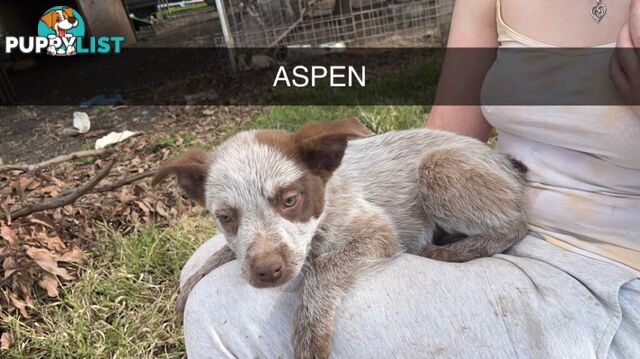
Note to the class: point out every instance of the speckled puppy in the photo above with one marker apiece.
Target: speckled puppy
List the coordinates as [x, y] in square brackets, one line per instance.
[316, 203]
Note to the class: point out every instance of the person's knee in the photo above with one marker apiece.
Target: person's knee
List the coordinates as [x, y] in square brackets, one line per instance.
[201, 333]
[224, 314]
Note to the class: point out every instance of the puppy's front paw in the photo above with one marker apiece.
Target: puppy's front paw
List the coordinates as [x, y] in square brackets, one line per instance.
[311, 338]
[307, 345]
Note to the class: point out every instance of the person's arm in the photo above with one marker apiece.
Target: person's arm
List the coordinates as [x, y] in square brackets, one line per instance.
[473, 25]
[625, 64]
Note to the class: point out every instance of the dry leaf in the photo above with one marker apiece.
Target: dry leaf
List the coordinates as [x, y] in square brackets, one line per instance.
[144, 207]
[8, 234]
[9, 266]
[40, 222]
[57, 182]
[52, 242]
[51, 190]
[24, 182]
[6, 339]
[49, 283]
[33, 185]
[46, 261]
[75, 255]
[125, 195]
[19, 304]
[161, 209]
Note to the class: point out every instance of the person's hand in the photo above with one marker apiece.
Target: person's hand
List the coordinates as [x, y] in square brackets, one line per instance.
[625, 63]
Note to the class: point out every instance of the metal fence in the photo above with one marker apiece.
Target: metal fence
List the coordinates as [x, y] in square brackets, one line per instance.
[365, 23]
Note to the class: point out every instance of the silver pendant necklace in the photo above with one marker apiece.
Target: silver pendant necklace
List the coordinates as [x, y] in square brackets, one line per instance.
[598, 11]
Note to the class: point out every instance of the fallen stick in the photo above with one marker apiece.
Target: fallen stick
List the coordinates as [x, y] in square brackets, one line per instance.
[43, 164]
[63, 199]
[124, 182]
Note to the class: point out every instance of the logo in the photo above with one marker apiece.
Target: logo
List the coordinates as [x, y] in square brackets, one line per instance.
[61, 32]
[62, 26]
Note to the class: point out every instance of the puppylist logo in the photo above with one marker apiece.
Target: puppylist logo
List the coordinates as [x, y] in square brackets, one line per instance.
[61, 30]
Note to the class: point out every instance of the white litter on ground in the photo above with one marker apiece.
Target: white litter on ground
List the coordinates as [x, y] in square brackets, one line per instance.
[81, 122]
[113, 138]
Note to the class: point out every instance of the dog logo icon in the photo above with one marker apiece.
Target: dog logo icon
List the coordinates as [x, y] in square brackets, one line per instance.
[63, 26]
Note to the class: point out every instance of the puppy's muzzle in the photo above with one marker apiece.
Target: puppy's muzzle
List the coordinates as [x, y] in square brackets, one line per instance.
[267, 269]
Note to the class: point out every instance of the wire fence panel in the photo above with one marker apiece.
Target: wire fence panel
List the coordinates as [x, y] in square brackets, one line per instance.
[365, 23]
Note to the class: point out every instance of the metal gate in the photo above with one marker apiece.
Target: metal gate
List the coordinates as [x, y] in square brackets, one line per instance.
[363, 23]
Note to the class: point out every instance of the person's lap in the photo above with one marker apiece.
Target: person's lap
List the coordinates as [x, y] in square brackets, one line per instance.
[537, 301]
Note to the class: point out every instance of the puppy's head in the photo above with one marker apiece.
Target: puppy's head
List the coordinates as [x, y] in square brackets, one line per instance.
[60, 20]
[266, 191]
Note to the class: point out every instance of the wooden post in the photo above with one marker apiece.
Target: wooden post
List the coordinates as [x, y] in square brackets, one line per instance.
[107, 18]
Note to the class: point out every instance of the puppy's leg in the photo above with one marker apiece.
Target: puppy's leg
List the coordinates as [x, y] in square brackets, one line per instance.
[476, 192]
[329, 275]
[222, 256]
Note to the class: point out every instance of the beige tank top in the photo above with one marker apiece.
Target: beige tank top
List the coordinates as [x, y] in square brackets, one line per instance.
[584, 161]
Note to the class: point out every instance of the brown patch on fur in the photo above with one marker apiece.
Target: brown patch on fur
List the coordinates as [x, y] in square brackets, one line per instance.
[318, 146]
[230, 227]
[322, 145]
[282, 140]
[191, 168]
[310, 202]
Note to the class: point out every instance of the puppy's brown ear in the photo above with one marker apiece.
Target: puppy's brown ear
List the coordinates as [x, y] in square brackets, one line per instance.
[191, 168]
[49, 18]
[322, 145]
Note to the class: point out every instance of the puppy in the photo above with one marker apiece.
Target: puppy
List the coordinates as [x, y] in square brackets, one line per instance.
[312, 202]
[60, 21]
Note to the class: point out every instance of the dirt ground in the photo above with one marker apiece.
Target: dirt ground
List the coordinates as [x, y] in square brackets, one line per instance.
[32, 134]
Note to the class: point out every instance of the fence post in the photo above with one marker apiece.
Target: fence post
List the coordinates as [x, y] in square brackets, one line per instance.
[228, 36]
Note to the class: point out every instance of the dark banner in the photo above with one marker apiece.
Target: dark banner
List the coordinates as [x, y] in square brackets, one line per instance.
[322, 76]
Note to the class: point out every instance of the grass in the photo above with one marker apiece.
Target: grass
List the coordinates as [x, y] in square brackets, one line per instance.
[122, 304]
[289, 118]
[162, 142]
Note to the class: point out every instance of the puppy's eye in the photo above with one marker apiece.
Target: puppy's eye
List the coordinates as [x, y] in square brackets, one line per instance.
[223, 218]
[290, 201]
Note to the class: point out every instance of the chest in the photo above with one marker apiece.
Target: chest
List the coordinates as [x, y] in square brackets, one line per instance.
[566, 23]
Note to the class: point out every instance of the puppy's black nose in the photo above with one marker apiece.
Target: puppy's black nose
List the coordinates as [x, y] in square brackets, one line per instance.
[268, 268]
[72, 20]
